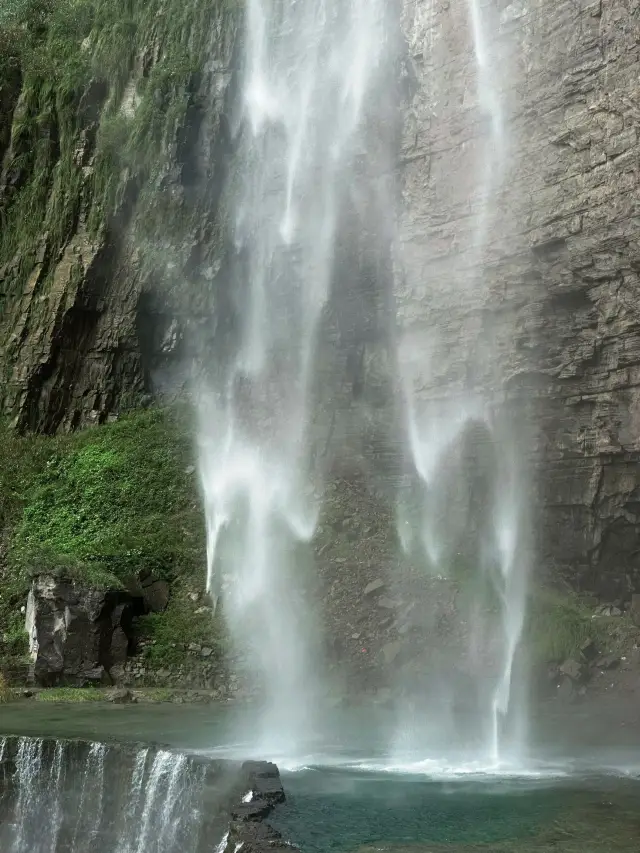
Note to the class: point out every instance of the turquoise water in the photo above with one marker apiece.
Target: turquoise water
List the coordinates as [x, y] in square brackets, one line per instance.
[341, 810]
[334, 807]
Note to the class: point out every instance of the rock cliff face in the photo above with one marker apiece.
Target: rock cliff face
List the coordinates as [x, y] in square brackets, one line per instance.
[109, 193]
[526, 282]
[519, 268]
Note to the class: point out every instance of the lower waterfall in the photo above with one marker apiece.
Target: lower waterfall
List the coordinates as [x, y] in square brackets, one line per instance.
[81, 797]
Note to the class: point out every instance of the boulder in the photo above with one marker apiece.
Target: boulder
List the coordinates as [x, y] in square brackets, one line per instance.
[390, 651]
[375, 586]
[156, 595]
[566, 691]
[611, 661]
[572, 669]
[76, 633]
[120, 696]
[119, 647]
[589, 650]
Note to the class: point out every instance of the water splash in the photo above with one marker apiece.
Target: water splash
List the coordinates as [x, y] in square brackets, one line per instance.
[309, 67]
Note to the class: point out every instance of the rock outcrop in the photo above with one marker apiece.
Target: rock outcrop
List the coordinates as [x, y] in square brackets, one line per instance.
[519, 261]
[94, 312]
[77, 635]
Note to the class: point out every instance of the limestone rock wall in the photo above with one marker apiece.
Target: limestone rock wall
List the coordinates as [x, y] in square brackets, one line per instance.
[524, 281]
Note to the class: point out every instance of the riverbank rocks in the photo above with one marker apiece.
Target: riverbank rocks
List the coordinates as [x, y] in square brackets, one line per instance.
[77, 634]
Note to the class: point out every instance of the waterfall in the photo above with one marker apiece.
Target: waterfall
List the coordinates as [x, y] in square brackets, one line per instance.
[309, 67]
[76, 797]
[480, 543]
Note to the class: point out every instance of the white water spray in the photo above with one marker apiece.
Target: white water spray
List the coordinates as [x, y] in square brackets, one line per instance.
[510, 583]
[309, 65]
[444, 411]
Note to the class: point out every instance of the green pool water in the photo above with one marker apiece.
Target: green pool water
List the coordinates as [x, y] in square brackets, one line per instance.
[340, 810]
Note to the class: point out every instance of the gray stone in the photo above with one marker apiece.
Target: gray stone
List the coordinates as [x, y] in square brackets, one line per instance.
[566, 690]
[156, 596]
[386, 603]
[589, 650]
[206, 652]
[390, 651]
[375, 586]
[611, 661]
[71, 631]
[120, 696]
[572, 668]
[119, 647]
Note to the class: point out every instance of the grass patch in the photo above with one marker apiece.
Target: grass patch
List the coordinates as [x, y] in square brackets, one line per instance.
[5, 691]
[112, 503]
[559, 623]
[177, 625]
[71, 694]
[155, 694]
[102, 506]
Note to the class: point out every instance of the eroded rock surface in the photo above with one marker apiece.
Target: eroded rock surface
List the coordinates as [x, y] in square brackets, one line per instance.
[78, 635]
[534, 297]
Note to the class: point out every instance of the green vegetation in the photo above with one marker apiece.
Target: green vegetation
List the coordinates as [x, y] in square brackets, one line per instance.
[177, 625]
[71, 694]
[114, 503]
[105, 506]
[559, 623]
[5, 691]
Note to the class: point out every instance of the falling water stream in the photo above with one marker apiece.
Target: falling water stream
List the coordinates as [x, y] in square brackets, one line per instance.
[309, 78]
[80, 797]
[443, 421]
[308, 67]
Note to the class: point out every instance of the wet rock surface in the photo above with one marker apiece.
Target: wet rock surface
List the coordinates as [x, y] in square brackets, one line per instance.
[78, 634]
[263, 793]
[546, 316]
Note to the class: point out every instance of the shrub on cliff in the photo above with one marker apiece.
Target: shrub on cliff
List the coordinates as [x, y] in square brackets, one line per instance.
[114, 502]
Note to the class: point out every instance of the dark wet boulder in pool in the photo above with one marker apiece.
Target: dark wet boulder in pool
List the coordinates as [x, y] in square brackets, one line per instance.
[263, 779]
[261, 791]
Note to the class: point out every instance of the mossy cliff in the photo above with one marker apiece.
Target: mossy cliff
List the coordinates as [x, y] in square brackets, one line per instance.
[113, 144]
